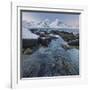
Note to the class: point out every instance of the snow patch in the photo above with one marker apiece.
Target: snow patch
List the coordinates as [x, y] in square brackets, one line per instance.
[26, 34]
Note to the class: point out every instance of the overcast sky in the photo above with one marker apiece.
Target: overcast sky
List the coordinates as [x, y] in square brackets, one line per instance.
[67, 18]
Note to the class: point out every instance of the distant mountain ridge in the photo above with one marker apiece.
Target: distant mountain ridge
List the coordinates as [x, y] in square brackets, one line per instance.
[47, 24]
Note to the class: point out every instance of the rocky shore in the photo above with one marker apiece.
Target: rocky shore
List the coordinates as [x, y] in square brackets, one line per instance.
[51, 54]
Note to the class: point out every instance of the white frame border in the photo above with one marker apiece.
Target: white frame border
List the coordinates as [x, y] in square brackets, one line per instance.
[15, 57]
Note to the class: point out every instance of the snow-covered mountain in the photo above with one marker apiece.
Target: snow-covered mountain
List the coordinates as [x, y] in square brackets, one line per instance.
[28, 25]
[44, 24]
[58, 24]
[47, 24]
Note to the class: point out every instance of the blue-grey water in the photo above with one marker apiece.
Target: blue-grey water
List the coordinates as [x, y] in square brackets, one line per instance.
[53, 60]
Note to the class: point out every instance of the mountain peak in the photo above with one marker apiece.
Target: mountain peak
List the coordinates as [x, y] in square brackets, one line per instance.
[44, 24]
[47, 24]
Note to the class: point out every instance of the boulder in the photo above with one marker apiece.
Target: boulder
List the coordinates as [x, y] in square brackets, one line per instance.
[74, 42]
[44, 41]
[29, 43]
[28, 51]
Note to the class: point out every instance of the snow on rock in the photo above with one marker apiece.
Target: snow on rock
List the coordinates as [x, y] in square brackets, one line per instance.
[28, 25]
[57, 42]
[26, 34]
[43, 24]
[47, 24]
[53, 35]
[58, 24]
[55, 24]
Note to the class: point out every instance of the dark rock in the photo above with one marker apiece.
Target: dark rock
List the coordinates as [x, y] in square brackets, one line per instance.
[33, 30]
[74, 42]
[28, 51]
[42, 34]
[29, 43]
[65, 35]
[44, 41]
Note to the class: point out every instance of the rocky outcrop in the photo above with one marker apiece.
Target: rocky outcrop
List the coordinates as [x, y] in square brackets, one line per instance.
[53, 60]
[65, 35]
[44, 41]
[29, 43]
[74, 42]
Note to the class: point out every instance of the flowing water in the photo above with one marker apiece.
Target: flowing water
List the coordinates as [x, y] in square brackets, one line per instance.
[53, 60]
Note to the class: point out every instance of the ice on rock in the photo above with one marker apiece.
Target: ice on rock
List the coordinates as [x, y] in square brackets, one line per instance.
[26, 34]
[53, 35]
[57, 42]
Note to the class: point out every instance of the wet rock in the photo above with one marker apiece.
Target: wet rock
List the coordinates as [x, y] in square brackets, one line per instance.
[74, 42]
[65, 35]
[29, 43]
[28, 51]
[44, 41]
[53, 60]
